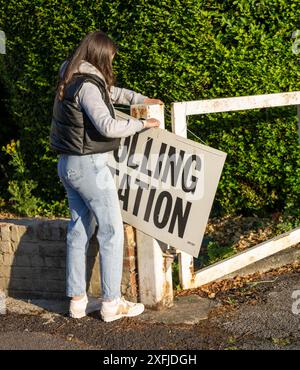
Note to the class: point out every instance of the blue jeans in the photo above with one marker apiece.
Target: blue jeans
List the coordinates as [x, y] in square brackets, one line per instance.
[93, 200]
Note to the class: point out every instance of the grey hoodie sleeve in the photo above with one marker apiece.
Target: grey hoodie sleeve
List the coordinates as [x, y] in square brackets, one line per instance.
[125, 96]
[90, 100]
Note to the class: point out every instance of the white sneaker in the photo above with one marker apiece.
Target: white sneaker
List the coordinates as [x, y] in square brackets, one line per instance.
[84, 306]
[119, 308]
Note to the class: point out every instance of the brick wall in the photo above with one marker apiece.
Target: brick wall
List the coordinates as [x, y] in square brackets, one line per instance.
[32, 259]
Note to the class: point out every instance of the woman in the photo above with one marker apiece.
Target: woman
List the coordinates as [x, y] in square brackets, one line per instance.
[84, 129]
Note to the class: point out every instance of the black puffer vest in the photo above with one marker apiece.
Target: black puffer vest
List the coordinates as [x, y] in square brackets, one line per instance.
[72, 132]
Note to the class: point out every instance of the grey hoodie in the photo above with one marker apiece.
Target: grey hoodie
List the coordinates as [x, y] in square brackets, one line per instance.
[90, 100]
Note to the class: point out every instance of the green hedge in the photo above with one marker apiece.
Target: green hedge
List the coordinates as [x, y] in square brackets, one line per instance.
[176, 51]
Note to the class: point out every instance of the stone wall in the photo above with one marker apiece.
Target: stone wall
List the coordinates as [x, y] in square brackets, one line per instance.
[32, 259]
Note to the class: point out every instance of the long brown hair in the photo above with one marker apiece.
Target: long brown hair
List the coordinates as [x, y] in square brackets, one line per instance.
[97, 49]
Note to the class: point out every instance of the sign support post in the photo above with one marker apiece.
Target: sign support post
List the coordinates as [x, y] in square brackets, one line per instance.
[154, 265]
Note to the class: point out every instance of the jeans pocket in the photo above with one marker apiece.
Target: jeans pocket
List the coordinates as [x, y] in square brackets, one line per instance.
[74, 174]
[72, 169]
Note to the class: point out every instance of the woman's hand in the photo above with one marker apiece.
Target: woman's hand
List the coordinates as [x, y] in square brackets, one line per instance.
[152, 101]
[151, 122]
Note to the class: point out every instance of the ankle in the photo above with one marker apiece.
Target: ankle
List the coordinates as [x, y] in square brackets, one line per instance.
[111, 301]
[78, 297]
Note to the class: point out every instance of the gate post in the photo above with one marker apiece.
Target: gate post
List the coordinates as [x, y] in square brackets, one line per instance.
[154, 265]
[185, 261]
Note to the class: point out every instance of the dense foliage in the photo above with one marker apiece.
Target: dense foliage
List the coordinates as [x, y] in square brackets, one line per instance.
[174, 50]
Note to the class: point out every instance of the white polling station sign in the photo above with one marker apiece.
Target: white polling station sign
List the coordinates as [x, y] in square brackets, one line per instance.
[166, 186]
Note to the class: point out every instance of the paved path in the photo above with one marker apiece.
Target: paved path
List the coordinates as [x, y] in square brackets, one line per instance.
[258, 316]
